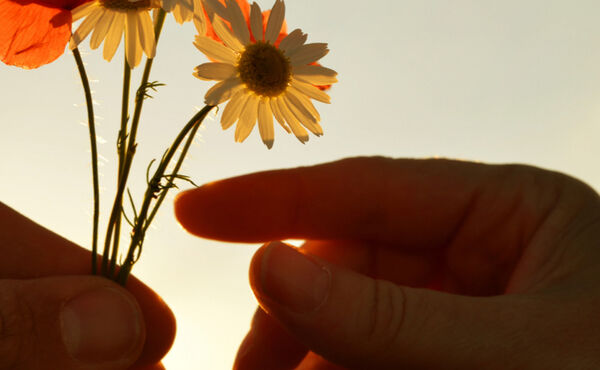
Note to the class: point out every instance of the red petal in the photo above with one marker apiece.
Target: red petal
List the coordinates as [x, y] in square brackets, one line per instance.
[32, 34]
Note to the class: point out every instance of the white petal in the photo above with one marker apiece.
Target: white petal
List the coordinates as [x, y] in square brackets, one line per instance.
[133, 49]
[215, 50]
[247, 119]
[310, 91]
[226, 36]
[83, 10]
[85, 28]
[275, 22]
[278, 115]
[315, 75]
[232, 110]
[292, 41]
[102, 28]
[215, 6]
[308, 53]
[299, 131]
[308, 105]
[256, 22]
[113, 39]
[238, 22]
[222, 91]
[146, 33]
[168, 5]
[214, 71]
[265, 122]
[305, 118]
[199, 18]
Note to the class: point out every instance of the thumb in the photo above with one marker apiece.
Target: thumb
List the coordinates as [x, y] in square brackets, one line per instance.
[71, 322]
[360, 322]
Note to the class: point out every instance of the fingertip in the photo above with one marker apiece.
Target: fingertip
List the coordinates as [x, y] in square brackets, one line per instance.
[160, 323]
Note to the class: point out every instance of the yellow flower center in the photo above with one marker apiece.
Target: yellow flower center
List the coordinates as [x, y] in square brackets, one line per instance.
[264, 69]
[125, 5]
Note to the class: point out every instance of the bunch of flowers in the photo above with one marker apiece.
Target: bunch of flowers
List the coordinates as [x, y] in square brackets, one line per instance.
[263, 74]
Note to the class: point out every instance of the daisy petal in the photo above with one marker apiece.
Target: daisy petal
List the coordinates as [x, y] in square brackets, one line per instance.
[310, 91]
[299, 131]
[256, 22]
[226, 36]
[216, 7]
[278, 115]
[113, 39]
[133, 49]
[146, 33]
[265, 122]
[199, 18]
[247, 119]
[305, 118]
[215, 50]
[101, 29]
[275, 22]
[83, 10]
[232, 110]
[293, 41]
[222, 91]
[315, 75]
[84, 29]
[308, 53]
[308, 105]
[238, 22]
[214, 71]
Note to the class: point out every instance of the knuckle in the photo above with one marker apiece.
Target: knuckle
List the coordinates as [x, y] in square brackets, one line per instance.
[16, 326]
[385, 313]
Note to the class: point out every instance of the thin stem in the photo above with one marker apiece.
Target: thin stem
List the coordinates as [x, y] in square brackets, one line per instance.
[121, 154]
[131, 146]
[142, 225]
[94, 149]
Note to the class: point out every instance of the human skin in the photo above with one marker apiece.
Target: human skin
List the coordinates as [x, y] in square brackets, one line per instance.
[413, 264]
[46, 289]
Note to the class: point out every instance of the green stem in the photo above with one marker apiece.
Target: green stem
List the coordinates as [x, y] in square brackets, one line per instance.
[131, 147]
[121, 154]
[94, 149]
[139, 230]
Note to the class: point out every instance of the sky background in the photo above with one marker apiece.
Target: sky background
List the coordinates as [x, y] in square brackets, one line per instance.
[500, 82]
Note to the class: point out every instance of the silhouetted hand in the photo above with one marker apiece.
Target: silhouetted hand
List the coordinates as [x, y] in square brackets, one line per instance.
[428, 264]
[54, 315]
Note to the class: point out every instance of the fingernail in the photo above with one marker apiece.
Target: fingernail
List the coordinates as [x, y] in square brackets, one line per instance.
[293, 279]
[102, 325]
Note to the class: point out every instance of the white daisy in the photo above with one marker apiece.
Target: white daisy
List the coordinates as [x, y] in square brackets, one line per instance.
[262, 80]
[109, 19]
[186, 10]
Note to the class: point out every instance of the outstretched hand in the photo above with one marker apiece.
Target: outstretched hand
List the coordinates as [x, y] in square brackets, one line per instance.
[433, 264]
[54, 315]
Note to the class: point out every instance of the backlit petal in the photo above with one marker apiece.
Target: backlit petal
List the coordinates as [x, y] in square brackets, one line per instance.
[278, 115]
[101, 29]
[308, 53]
[85, 28]
[310, 91]
[214, 71]
[222, 91]
[232, 110]
[238, 22]
[215, 50]
[299, 131]
[247, 119]
[226, 36]
[113, 39]
[293, 41]
[265, 122]
[315, 75]
[275, 21]
[146, 34]
[256, 22]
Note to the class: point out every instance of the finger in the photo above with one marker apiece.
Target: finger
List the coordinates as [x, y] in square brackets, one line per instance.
[359, 322]
[312, 361]
[415, 204]
[379, 261]
[158, 366]
[268, 346]
[74, 322]
[32, 251]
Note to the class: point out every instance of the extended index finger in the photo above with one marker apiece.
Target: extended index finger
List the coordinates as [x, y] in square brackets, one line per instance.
[415, 203]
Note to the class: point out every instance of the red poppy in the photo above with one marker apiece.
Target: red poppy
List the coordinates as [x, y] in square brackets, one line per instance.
[34, 32]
